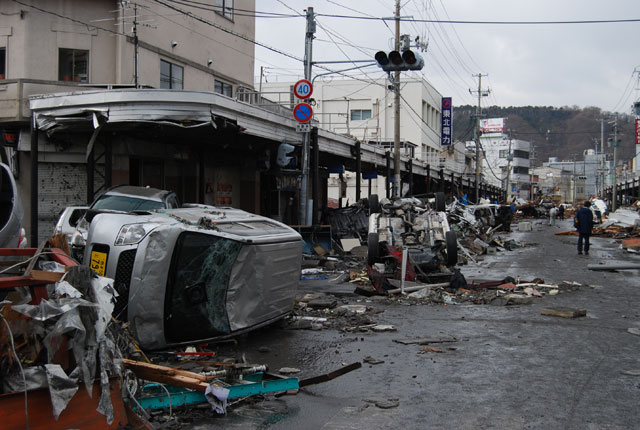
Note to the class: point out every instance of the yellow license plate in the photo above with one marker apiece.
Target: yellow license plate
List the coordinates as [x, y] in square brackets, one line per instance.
[98, 262]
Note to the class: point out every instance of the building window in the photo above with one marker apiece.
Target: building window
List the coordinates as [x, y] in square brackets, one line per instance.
[73, 65]
[223, 88]
[521, 170]
[521, 154]
[360, 114]
[225, 8]
[503, 153]
[3, 59]
[170, 75]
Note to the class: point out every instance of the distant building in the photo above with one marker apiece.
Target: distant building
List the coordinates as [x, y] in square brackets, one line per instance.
[588, 175]
[506, 160]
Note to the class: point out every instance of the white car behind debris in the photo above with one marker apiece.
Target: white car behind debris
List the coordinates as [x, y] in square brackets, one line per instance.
[197, 273]
[121, 199]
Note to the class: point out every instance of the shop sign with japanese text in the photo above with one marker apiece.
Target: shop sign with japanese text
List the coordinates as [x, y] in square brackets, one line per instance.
[446, 132]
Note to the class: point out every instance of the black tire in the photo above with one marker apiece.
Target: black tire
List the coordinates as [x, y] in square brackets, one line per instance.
[373, 251]
[452, 248]
[374, 204]
[440, 202]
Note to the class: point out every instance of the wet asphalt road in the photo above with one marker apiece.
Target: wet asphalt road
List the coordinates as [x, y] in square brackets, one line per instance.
[511, 367]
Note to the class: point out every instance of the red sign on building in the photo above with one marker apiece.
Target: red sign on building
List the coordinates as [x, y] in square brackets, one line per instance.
[637, 131]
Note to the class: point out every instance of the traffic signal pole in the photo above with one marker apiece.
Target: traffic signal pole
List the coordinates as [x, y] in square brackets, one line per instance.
[305, 203]
[396, 109]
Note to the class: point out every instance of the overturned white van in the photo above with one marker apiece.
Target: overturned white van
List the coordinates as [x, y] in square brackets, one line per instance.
[196, 274]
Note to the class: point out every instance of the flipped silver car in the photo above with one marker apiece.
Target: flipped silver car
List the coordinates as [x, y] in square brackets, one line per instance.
[197, 273]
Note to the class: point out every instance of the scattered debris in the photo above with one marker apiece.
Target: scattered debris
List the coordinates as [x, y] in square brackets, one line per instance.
[383, 327]
[384, 403]
[564, 312]
[288, 370]
[329, 376]
[634, 330]
[426, 341]
[372, 360]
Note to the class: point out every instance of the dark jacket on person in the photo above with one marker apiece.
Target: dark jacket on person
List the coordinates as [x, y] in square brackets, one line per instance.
[584, 219]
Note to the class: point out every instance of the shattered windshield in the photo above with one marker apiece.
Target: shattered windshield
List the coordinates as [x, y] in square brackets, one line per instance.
[126, 204]
[197, 288]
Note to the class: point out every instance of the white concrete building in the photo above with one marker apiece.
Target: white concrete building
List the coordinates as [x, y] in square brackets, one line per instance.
[506, 163]
[365, 111]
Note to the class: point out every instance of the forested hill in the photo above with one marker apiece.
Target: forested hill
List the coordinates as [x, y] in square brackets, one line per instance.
[555, 132]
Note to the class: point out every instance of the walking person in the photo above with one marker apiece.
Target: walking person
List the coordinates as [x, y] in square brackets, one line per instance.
[583, 223]
[552, 215]
[561, 212]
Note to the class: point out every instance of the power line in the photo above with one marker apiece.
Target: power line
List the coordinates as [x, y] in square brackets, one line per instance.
[77, 21]
[627, 92]
[454, 21]
[233, 33]
[212, 8]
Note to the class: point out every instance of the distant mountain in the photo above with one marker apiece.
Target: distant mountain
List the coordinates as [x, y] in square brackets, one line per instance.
[555, 132]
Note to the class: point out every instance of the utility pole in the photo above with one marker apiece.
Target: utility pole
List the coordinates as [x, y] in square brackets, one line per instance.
[396, 110]
[304, 183]
[509, 158]
[135, 43]
[476, 135]
[614, 202]
[601, 173]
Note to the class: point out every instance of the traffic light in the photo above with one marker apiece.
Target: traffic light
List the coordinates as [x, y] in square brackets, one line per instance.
[283, 159]
[396, 61]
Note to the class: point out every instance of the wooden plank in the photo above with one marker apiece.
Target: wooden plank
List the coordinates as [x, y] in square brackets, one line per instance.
[43, 275]
[167, 375]
[564, 312]
[329, 376]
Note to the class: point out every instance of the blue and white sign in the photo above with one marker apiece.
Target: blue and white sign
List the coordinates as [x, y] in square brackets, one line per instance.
[446, 132]
[303, 89]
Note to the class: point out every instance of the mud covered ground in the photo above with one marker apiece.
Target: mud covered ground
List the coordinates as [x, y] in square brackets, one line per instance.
[465, 365]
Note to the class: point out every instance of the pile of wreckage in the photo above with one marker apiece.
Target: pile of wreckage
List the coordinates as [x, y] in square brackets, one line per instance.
[418, 240]
[65, 362]
[624, 223]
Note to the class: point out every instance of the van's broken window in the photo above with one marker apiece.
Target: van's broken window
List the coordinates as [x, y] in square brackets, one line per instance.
[195, 304]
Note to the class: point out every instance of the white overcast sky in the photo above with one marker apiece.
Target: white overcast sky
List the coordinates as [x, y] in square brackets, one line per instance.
[538, 65]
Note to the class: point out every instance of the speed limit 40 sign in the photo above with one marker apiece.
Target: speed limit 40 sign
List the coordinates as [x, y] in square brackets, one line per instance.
[302, 89]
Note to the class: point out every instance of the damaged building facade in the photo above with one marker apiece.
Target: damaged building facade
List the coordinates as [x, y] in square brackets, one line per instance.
[49, 51]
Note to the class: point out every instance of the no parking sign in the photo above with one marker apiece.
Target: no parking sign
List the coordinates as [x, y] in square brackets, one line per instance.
[303, 112]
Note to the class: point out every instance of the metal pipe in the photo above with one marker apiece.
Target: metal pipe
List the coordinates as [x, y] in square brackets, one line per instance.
[417, 288]
[34, 180]
[396, 109]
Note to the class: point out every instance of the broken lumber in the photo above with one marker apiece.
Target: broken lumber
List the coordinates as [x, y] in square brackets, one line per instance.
[167, 375]
[329, 376]
[564, 312]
